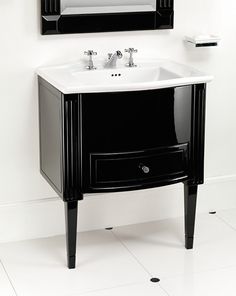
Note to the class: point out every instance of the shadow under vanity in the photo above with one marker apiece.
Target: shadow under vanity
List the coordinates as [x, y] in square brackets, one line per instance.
[116, 141]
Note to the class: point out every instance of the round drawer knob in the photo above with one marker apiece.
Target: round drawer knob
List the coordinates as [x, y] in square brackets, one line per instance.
[145, 169]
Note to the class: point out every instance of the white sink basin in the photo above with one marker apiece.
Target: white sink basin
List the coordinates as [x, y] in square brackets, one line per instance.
[155, 74]
[123, 76]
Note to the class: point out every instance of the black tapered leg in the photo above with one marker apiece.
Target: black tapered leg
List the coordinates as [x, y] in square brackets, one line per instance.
[190, 201]
[71, 210]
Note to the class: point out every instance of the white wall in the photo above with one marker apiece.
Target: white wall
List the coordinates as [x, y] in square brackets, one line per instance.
[25, 196]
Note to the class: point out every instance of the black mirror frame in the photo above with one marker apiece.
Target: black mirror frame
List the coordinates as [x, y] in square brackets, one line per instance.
[55, 23]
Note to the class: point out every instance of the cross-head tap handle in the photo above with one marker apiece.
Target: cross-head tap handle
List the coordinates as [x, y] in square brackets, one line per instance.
[90, 52]
[131, 50]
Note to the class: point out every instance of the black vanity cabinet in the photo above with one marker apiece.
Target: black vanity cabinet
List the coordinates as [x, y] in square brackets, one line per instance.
[103, 142]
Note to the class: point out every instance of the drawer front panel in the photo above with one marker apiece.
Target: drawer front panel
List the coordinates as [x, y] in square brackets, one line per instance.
[124, 169]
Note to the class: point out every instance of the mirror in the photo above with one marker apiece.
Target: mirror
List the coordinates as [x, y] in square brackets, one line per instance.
[83, 16]
[106, 6]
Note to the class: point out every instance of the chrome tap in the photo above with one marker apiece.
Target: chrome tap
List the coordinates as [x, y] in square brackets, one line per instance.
[90, 54]
[112, 59]
[131, 51]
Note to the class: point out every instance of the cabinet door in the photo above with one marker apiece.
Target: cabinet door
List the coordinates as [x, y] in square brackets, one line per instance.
[131, 121]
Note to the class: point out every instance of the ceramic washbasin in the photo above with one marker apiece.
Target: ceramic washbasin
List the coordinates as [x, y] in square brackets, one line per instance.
[123, 76]
[154, 74]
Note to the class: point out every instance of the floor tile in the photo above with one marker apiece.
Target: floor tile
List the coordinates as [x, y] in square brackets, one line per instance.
[6, 288]
[37, 267]
[159, 246]
[229, 216]
[212, 283]
[149, 289]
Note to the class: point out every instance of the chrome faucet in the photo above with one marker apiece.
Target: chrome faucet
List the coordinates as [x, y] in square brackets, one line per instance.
[112, 59]
[131, 51]
[90, 54]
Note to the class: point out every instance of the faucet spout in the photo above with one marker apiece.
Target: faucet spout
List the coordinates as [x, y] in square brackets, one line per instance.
[112, 59]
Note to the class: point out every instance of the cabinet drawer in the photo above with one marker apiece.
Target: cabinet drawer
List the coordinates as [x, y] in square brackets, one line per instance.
[124, 169]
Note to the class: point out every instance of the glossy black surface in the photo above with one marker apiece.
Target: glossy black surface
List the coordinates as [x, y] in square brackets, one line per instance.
[103, 142]
[128, 128]
[190, 200]
[71, 212]
[198, 134]
[55, 23]
[136, 168]
[50, 118]
[207, 44]
[71, 148]
[130, 121]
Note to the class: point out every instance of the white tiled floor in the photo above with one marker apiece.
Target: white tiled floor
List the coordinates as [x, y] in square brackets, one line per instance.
[5, 284]
[122, 261]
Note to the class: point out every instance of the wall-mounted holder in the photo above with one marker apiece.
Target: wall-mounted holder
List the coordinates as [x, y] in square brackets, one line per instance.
[202, 40]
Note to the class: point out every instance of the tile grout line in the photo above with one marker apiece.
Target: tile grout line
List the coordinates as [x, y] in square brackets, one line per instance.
[164, 290]
[138, 261]
[8, 277]
[104, 289]
[225, 222]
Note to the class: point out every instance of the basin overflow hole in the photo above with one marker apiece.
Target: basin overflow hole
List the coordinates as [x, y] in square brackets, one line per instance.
[115, 75]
